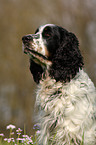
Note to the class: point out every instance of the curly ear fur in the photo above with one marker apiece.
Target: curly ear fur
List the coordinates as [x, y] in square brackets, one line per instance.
[36, 71]
[67, 59]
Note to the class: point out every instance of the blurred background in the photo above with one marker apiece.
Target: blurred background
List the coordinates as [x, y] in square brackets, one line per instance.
[21, 17]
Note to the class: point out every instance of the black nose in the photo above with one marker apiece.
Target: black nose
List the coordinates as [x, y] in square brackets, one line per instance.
[27, 38]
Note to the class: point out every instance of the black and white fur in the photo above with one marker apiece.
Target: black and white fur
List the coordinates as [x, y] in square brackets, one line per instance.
[66, 97]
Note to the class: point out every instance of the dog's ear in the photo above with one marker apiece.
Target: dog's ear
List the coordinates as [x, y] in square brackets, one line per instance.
[36, 71]
[67, 60]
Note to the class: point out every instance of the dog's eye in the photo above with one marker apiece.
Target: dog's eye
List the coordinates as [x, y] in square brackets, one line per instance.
[47, 32]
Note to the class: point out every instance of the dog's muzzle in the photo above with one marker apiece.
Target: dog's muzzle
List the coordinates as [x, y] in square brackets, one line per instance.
[27, 45]
[27, 40]
[34, 50]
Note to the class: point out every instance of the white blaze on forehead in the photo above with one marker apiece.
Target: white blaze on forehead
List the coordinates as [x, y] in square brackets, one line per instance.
[43, 26]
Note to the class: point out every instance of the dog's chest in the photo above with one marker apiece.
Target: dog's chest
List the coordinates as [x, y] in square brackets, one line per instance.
[61, 102]
[50, 95]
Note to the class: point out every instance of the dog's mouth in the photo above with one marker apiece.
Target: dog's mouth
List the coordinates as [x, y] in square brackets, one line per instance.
[33, 53]
[36, 56]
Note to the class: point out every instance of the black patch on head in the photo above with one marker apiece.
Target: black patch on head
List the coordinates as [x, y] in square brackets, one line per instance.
[52, 37]
[47, 32]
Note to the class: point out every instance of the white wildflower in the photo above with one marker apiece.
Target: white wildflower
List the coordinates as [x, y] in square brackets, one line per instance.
[11, 126]
[1, 134]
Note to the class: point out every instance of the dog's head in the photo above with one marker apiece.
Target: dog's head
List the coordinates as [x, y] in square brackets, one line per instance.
[53, 48]
[41, 45]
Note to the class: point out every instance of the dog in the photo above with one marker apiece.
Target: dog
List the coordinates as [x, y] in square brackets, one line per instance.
[66, 96]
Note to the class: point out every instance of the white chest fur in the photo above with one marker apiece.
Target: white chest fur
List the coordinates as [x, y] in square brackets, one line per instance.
[67, 111]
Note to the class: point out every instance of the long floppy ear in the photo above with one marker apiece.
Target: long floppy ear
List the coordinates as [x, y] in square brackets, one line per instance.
[36, 71]
[67, 60]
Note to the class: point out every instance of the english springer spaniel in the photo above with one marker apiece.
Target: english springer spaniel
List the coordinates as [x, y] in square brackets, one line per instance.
[66, 96]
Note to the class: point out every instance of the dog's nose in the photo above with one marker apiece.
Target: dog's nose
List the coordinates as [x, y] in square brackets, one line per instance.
[27, 38]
